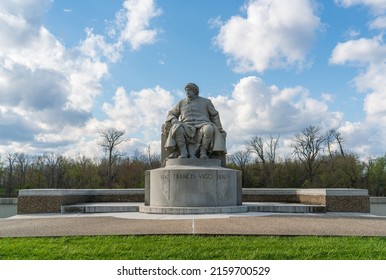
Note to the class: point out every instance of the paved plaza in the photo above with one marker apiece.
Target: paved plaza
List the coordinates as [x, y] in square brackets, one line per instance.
[252, 223]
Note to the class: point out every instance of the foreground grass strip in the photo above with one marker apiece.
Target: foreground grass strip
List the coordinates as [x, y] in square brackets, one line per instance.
[179, 247]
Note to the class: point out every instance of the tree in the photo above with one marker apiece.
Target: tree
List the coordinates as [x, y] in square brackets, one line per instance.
[154, 160]
[11, 157]
[51, 164]
[375, 172]
[23, 162]
[241, 160]
[332, 137]
[266, 153]
[307, 148]
[111, 138]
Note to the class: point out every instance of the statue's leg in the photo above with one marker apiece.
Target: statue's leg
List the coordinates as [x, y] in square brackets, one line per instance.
[207, 137]
[192, 148]
[181, 142]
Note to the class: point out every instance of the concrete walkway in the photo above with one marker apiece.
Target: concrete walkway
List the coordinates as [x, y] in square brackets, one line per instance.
[134, 223]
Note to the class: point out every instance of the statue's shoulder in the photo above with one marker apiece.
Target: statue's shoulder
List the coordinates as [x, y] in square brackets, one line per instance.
[183, 101]
[203, 99]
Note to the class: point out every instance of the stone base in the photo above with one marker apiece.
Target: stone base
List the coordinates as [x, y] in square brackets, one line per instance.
[193, 183]
[192, 210]
[334, 199]
[32, 201]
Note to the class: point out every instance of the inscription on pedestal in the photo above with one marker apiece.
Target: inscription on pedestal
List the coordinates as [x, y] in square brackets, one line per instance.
[194, 185]
[193, 176]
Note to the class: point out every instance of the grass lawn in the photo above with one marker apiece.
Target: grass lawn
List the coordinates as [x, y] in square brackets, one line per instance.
[193, 247]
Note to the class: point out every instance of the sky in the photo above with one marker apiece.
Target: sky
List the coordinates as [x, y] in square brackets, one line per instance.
[71, 68]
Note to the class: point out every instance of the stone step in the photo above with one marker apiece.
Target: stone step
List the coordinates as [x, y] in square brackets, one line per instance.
[193, 210]
[114, 207]
[101, 207]
[284, 207]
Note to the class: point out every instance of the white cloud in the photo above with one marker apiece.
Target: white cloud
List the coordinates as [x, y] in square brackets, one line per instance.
[141, 111]
[131, 26]
[95, 47]
[49, 91]
[374, 80]
[363, 138]
[377, 6]
[361, 51]
[369, 55]
[378, 23]
[31, 10]
[43, 85]
[272, 35]
[257, 109]
[134, 20]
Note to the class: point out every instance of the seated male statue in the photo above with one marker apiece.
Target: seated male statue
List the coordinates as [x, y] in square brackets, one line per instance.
[193, 127]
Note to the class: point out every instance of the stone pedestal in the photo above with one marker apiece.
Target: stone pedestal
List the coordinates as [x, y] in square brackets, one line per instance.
[185, 185]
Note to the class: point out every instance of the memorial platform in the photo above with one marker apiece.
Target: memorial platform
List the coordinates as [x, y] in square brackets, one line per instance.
[119, 207]
[33, 201]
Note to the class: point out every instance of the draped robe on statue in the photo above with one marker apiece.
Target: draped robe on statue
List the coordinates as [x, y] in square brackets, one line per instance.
[193, 115]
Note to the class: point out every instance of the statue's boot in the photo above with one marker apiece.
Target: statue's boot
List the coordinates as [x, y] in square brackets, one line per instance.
[183, 151]
[192, 150]
[204, 147]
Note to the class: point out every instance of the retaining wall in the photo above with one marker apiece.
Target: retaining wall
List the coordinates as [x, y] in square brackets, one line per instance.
[50, 200]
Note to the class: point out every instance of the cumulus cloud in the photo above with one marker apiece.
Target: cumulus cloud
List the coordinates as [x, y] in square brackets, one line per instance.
[377, 6]
[271, 35]
[369, 55]
[364, 139]
[378, 23]
[31, 10]
[255, 108]
[134, 20]
[141, 111]
[49, 91]
[33, 83]
[361, 51]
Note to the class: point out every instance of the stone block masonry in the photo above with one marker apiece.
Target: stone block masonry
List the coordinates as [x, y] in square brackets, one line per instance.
[32, 201]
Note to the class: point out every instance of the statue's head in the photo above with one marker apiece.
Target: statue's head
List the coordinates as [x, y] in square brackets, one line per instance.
[192, 87]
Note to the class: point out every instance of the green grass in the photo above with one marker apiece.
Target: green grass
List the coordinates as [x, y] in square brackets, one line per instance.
[191, 247]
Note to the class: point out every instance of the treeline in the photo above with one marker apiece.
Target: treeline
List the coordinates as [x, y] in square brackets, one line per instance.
[318, 160]
[50, 170]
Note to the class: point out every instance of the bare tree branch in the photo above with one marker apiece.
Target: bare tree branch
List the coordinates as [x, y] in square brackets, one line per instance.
[110, 139]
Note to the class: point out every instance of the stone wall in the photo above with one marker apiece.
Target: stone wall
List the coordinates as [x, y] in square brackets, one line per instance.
[50, 200]
[336, 200]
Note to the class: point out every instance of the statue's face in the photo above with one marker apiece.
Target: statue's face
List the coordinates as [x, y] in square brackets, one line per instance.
[190, 92]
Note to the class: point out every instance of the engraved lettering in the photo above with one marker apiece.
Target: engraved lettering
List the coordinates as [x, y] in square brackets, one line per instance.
[205, 176]
[184, 176]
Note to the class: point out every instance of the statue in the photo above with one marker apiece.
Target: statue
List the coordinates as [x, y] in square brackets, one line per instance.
[193, 178]
[193, 127]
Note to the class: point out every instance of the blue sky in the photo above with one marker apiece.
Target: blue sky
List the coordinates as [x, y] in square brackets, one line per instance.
[271, 67]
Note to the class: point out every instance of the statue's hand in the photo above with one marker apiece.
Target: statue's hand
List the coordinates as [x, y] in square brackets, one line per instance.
[222, 131]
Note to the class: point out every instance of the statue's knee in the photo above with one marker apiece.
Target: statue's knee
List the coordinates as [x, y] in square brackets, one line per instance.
[179, 131]
[208, 130]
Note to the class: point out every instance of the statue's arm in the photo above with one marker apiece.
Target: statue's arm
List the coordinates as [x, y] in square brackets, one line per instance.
[173, 115]
[214, 116]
